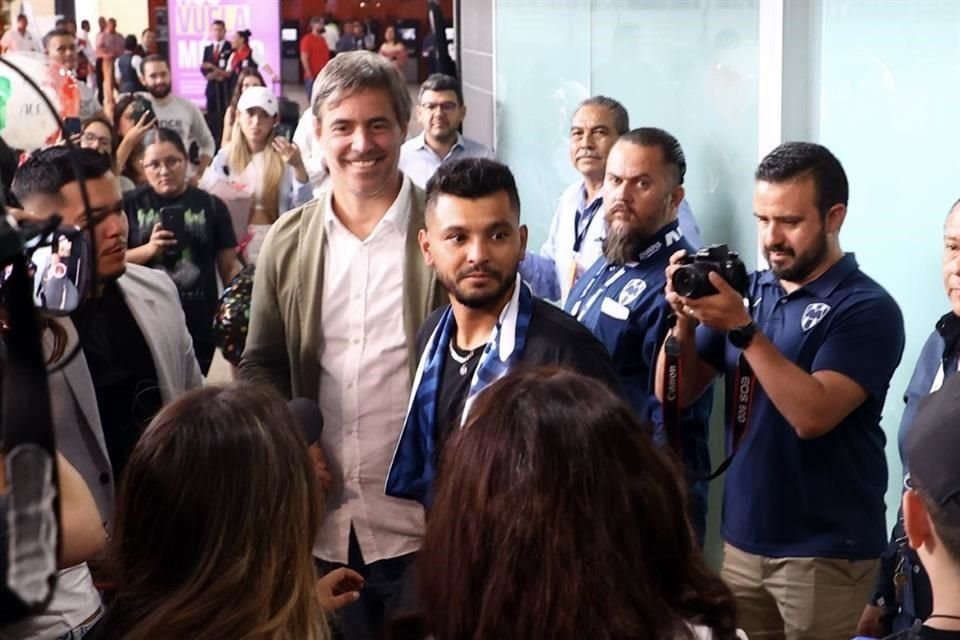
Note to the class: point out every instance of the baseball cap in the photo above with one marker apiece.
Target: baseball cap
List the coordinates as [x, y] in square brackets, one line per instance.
[933, 447]
[308, 417]
[258, 97]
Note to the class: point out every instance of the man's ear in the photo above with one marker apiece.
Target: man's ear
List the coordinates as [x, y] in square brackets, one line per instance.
[676, 196]
[916, 520]
[835, 217]
[423, 240]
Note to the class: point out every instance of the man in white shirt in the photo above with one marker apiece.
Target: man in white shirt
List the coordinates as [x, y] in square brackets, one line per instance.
[61, 47]
[574, 241]
[179, 114]
[340, 292]
[440, 111]
[20, 39]
[305, 137]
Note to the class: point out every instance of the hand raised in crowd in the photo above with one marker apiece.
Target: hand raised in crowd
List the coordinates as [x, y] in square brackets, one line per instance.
[288, 151]
[339, 588]
[146, 122]
[133, 138]
[291, 155]
[723, 311]
[160, 240]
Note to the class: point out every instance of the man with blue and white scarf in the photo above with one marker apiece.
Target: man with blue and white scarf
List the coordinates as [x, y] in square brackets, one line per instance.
[493, 324]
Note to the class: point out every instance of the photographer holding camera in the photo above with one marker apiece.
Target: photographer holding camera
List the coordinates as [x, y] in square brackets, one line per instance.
[807, 362]
[620, 297]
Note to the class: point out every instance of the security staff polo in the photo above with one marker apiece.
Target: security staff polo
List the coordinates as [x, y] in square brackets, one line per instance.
[822, 497]
[625, 308]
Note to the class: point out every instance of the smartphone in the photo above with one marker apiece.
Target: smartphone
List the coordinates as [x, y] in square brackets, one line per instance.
[171, 219]
[71, 127]
[140, 107]
[284, 131]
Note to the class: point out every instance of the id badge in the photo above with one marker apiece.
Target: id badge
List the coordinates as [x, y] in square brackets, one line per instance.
[573, 273]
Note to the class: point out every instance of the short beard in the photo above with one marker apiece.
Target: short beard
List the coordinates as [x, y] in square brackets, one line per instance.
[156, 92]
[479, 301]
[803, 264]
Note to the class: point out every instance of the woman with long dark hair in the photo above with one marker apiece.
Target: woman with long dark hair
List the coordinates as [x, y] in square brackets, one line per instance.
[556, 517]
[217, 513]
[130, 131]
[393, 49]
[97, 133]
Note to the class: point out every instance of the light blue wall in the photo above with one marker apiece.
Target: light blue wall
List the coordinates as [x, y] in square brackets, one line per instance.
[890, 98]
[687, 67]
[887, 77]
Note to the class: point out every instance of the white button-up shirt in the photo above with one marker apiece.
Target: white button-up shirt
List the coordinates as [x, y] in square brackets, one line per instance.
[13, 40]
[365, 386]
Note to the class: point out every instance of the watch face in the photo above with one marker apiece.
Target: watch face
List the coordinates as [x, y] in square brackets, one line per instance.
[742, 336]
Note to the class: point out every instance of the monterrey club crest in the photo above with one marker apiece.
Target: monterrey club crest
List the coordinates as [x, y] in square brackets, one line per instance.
[631, 291]
[813, 314]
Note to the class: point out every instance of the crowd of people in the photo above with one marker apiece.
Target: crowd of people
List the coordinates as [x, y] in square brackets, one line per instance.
[507, 441]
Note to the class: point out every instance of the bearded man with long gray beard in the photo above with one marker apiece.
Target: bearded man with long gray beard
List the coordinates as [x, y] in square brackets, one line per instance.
[620, 298]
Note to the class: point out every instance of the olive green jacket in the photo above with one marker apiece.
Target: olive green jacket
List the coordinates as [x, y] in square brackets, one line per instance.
[284, 341]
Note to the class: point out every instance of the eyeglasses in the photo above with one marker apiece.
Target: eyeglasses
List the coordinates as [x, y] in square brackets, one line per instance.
[91, 138]
[446, 107]
[167, 163]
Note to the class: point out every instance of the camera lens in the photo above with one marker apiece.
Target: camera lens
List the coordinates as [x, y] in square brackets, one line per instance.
[687, 281]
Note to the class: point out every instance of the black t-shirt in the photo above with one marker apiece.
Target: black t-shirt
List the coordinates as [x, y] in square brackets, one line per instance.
[454, 386]
[923, 632]
[193, 267]
[122, 370]
[553, 337]
[208, 229]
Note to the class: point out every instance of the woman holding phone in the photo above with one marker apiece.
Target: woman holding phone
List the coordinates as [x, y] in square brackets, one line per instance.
[184, 231]
[263, 164]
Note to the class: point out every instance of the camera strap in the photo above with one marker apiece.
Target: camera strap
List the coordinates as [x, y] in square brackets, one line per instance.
[671, 392]
[744, 387]
[743, 390]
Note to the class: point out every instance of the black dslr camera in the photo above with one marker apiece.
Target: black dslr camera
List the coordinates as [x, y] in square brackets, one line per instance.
[691, 281]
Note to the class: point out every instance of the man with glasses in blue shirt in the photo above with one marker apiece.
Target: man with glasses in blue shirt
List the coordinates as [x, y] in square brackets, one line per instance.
[440, 111]
[807, 364]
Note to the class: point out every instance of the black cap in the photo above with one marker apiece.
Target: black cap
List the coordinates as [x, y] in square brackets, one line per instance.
[933, 447]
[308, 417]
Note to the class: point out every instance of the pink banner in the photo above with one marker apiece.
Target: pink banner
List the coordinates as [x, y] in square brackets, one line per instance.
[190, 32]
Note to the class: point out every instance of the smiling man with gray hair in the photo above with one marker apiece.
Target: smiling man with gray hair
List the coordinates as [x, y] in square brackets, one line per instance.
[324, 325]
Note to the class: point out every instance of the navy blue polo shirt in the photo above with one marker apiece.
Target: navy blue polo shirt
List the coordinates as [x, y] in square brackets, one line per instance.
[625, 308]
[822, 497]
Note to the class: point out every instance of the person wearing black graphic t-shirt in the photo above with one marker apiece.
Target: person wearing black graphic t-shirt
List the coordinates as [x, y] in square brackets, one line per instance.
[207, 247]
